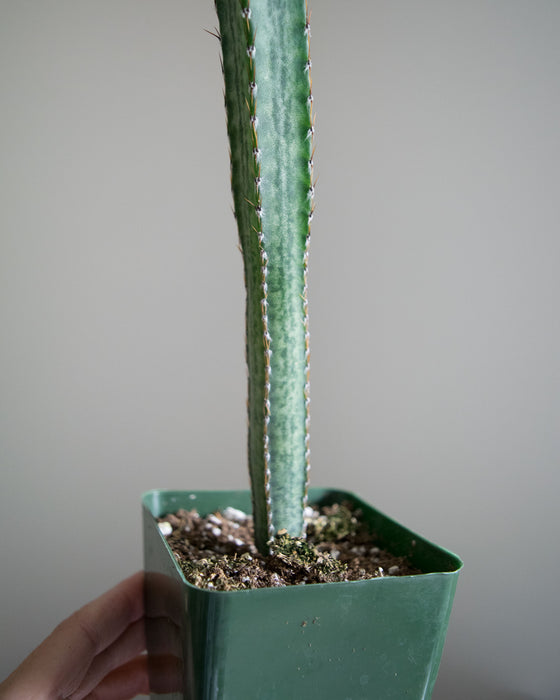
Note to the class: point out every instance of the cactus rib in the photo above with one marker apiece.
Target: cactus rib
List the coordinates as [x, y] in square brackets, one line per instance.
[265, 58]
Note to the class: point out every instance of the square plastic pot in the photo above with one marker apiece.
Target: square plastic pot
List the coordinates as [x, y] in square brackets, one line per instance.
[379, 639]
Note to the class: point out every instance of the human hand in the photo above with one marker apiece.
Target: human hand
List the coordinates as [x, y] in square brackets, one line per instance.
[96, 653]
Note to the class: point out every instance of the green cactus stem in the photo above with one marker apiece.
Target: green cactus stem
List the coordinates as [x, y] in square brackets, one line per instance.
[265, 58]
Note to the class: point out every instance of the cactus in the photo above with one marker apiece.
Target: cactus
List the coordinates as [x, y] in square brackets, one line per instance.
[265, 62]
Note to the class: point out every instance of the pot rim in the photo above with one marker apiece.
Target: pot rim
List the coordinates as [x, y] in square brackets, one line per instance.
[152, 500]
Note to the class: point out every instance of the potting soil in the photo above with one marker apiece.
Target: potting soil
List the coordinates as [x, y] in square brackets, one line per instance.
[218, 551]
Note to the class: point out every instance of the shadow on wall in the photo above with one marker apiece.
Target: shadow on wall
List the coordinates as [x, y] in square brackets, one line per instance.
[463, 684]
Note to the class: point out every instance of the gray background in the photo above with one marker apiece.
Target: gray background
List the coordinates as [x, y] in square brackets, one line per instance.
[434, 289]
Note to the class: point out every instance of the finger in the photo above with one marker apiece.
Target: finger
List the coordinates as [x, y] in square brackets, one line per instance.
[99, 623]
[58, 665]
[96, 626]
[129, 645]
[166, 674]
[125, 682]
[163, 636]
[163, 596]
[158, 674]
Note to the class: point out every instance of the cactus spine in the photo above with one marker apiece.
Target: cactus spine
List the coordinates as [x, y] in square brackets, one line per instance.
[265, 59]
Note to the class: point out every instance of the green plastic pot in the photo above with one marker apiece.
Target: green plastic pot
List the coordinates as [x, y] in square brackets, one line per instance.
[380, 639]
